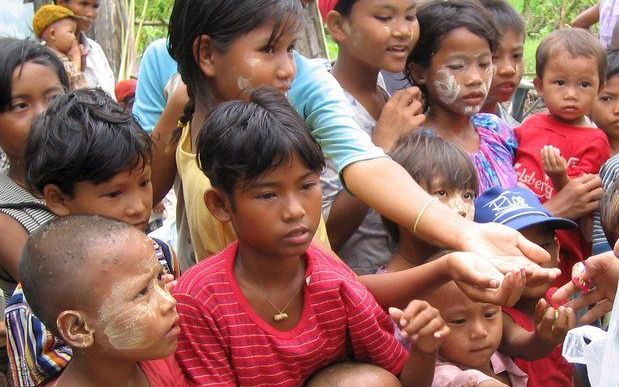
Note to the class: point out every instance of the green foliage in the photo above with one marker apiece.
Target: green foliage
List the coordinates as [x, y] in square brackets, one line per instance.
[157, 12]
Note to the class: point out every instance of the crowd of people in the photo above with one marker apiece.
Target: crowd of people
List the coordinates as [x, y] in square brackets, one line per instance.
[330, 230]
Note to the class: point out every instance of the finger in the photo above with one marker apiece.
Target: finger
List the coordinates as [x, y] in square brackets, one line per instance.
[432, 328]
[540, 308]
[591, 182]
[564, 293]
[587, 299]
[531, 250]
[395, 313]
[483, 295]
[560, 323]
[599, 310]
[418, 322]
[545, 324]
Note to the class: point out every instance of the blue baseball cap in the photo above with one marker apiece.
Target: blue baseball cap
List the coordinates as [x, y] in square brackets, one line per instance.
[517, 208]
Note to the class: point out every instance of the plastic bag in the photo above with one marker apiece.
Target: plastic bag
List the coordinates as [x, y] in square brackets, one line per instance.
[597, 349]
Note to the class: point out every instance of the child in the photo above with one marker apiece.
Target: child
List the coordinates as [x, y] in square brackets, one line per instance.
[609, 211]
[30, 76]
[57, 27]
[557, 146]
[371, 36]
[299, 303]
[605, 114]
[469, 356]
[112, 309]
[125, 93]
[508, 58]
[533, 330]
[452, 63]
[85, 155]
[96, 68]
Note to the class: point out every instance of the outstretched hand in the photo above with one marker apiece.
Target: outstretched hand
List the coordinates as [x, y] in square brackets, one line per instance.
[421, 324]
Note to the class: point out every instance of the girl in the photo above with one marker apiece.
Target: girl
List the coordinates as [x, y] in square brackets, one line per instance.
[372, 36]
[30, 76]
[220, 58]
[452, 62]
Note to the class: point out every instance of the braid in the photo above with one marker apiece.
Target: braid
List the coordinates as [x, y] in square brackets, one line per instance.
[183, 121]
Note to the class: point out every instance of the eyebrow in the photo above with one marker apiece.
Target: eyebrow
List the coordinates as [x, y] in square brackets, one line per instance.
[393, 8]
[267, 184]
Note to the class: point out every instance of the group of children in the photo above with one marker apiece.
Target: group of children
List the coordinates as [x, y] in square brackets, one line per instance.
[280, 165]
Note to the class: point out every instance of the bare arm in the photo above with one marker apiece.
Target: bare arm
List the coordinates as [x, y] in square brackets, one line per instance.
[12, 240]
[588, 17]
[346, 215]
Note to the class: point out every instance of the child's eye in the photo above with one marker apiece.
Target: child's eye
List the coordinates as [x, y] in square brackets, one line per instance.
[605, 98]
[490, 315]
[585, 84]
[411, 17]
[266, 195]
[455, 66]
[268, 49]
[113, 194]
[291, 48]
[142, 292]
[145, 183]
[309, 185]
[441, 192]
[382, 18]
[469, 195]
[517, 56]
[485, 65]
[19, 106]
[559, 82]
[459, 321]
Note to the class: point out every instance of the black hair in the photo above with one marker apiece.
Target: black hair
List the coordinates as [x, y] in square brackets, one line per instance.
[241, 141]
[609, 212]
[57, 253]
[426, 157]
[612, 69]
[83, 135]
[344, 7]
[14, 53]
[223, 21]
[437, 18]
[506, 18]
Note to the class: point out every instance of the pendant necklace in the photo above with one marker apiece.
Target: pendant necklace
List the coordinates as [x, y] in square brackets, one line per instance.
[281, 314]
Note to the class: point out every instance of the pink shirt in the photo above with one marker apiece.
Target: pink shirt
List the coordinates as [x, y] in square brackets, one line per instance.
[224, 342]
[450, 375]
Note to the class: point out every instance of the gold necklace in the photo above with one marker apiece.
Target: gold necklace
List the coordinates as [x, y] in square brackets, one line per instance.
[281, 314]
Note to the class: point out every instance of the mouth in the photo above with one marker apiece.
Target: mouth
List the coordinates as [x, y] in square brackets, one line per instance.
[506, 87]
[175, 329]
[481, 349]
[298, 235]
[398, 50]
[141, 225]
[475, 98]
[570, 109]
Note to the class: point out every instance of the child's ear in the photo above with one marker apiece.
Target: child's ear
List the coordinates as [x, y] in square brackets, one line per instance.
[203, 50]
[56, 200]
[537, 82]
[419, 73]
[74, 329]
[218, 204]
[337, 26]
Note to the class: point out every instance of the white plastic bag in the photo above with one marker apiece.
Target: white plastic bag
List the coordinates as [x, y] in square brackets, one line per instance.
[601, 354]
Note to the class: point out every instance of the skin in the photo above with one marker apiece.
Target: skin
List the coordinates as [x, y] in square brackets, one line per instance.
[605, 111]
[461, 201]
[544, 237]
[61, 35]
[509, 63]
[87, 9]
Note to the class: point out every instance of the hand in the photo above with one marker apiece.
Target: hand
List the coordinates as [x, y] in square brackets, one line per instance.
[159, 208]
[554, 163]
[603, 272]
[402, 114]
[551, 325]
[579, 197]
[421, 324]
[75, 54]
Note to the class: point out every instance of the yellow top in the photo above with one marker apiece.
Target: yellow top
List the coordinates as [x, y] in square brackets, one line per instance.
[208, 235]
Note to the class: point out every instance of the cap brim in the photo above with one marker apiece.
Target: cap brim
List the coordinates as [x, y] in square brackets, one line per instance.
[553, 223]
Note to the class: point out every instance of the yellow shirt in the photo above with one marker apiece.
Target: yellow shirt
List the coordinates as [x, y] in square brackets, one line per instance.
[208, 235]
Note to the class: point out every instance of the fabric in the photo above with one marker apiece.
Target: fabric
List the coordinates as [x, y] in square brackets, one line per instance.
[125, 89]
[35, 354]
[497, 148]
[504, 114]
[584, 148]
[609, 173]
[76, 77]
[551, 371]
[164, 372]
[450, 375]
[97, 71]
[224, 342]
[27, 210]
[208, 235]
[609, 15]
[371, 246]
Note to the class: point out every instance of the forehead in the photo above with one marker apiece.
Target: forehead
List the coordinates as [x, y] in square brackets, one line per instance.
[511, 40]
[561, 62]
[126, 255]
[23, 75]
[462, 41]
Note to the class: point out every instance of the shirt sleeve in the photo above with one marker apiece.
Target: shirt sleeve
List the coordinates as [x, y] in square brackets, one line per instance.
[320, 100]
[202, 351]
[593, 155]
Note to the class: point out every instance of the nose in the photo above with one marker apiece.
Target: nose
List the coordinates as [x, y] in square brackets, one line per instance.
[167, 302]
[293, 209]
[616, 108]
[402, 29]
[506, 68]
[474, 76]
[478, 330]
[286, 68]
[135, 205]
[570, 93]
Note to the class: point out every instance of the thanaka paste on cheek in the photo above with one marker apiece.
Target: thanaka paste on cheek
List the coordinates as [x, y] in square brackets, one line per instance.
[458, 204]
[247, 83]
[447, 87]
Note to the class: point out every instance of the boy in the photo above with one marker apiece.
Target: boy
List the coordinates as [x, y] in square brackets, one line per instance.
[85, 155]
[560, 145]
[532, 330]
[112, 309]
[57, 27]
[609, 211]
[96, 68]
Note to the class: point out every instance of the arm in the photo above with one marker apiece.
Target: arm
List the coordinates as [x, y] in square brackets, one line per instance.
[346, 215]
[579, 197]
[588, 17]
[12, 240]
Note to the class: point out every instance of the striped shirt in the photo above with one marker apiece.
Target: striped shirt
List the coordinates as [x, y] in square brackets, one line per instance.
[224, 342]
[609, 173]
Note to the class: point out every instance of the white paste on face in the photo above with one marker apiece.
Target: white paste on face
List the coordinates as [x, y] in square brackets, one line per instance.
[447, 87]
[457, 203]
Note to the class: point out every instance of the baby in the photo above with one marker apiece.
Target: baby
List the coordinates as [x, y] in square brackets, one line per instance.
[57, 27]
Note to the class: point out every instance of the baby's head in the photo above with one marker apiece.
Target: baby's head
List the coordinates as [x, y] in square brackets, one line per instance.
[605, 112]
[95, 282]
[87, 155]
[57, 26]
[570, 70]
[476, 328]
[520, 209]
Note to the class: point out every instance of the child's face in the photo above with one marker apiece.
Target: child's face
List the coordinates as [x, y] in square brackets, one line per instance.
[381, 34]
[283, 205]
[64, 37]
[87, 9]
[250, 63]
[544, 237]
[460, 200]
[569, 86]
[509, 64]
[134, 315]
[460, 74]
[476, 328]
[33, 86]
[605, 112]
[128, 196]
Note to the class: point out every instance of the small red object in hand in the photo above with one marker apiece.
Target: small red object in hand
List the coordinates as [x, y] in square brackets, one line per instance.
[578, 277]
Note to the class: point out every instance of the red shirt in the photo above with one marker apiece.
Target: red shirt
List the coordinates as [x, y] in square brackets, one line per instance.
[224, 342]
[164, 373]
[585, 150]
[551, 371]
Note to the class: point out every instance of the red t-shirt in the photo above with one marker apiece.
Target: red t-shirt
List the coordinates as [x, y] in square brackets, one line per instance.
[585, 150]
[164, 373]
[551, 371]
[224, 342]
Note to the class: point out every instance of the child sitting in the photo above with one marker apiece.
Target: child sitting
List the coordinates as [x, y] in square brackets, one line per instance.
[554, 147]
[301, 306]
[57, 27]
[532, 330]
[85, 155]
[112, 308]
